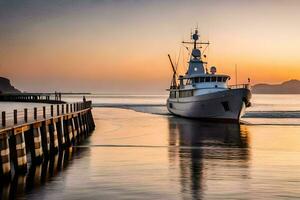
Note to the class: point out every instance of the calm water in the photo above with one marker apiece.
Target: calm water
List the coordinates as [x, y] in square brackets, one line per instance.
[138, 155]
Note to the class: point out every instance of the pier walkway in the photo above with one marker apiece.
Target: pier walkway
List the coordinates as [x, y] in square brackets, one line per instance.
[37, 133]
[53, 98]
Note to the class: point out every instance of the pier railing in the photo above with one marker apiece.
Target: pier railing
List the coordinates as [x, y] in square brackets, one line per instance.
[29, 115]
[240, 86]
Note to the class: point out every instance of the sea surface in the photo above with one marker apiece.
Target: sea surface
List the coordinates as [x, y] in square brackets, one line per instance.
[139, 151]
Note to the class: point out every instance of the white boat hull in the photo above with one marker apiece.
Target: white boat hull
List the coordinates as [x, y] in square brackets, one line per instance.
[223, 105]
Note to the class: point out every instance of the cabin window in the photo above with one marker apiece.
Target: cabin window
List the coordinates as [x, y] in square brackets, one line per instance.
[219, 79]
[213, 79]
[224, 79]
[201, 79]
[207, 79]
[196, 80]
[186, 93]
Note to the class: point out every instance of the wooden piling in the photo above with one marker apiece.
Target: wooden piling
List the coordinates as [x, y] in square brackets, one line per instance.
[44, 112]
[51, 110]
[45, 135]
[57, 110]
[15, 116]
[36, 138]
[5, 155]
[53, 136]
[18, 150]
[60, 132]
[74, 129]
[35, 113]
[3, 119]
[25, 115]
[68, 131]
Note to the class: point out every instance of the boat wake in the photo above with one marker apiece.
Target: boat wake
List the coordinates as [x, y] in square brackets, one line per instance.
[162, 110]
[272, 114]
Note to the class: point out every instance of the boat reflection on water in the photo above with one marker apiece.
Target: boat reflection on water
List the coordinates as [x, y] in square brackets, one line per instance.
[39, 174]
[208, 155]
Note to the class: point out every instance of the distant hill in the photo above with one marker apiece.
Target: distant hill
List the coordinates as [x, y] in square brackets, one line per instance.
[287, 87]
[6, 87]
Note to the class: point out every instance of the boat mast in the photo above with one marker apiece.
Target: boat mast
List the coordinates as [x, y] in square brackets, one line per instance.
[195, 37]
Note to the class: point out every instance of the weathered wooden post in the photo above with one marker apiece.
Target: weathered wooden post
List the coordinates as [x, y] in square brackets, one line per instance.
[15, 116]
[92, 119]
[53, 136]
[35, 113]
[53, 164]
[60, 132]
[70, 128]
[57, 109]
[68, 131]
[89, 120]
[86, 122]
[80, 131]
[5, 155]
[25, 115]
[75, 127]
[36, 149]
[3, 119]
[82, 123]
[51, 110]
[74, 130]
[78, 126]
[45, 138]
[18, 150]
[44, 112]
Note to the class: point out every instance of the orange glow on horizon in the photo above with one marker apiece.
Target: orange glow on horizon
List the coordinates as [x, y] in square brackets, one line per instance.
[108, 45]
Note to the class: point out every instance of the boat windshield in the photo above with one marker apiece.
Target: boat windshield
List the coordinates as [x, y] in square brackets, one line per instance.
[209, 79]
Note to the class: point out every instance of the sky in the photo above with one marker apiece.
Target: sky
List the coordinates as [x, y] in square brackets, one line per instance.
[122, 45]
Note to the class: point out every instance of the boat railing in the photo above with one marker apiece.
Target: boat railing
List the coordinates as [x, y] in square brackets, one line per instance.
[240, 86]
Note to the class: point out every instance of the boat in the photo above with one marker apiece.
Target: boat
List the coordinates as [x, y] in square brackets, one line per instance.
[205, 94]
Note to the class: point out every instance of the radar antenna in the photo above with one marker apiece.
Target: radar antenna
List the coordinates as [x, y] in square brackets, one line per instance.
[196, 51]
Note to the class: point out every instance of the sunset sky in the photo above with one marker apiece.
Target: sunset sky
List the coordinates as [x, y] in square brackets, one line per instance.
[102, 46]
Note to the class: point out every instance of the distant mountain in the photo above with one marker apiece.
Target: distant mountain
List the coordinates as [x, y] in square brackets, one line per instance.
[287, 87]
[6, 87]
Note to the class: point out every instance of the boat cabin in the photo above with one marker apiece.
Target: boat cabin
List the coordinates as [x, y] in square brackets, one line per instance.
[204, 80]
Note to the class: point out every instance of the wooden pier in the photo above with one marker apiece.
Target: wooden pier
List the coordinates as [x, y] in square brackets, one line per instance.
[37, 133]
[54, 98]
